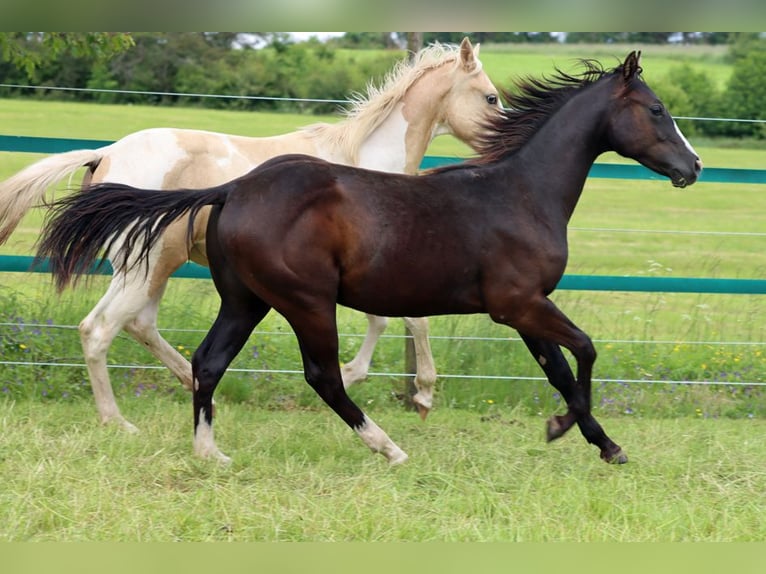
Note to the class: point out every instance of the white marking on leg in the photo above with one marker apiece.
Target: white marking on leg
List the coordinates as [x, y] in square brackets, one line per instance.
[542, 360]
[374, 437]
[204, 443]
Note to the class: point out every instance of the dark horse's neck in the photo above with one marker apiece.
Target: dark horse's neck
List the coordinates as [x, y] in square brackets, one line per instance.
[565, 147]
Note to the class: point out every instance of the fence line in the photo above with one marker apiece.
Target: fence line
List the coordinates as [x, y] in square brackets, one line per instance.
[177, 94]
[403, 375]
[578, 282]
[399, 375]
[511, 338]
[35, 144]
[278, 99]
[572, 282]
[671, 231]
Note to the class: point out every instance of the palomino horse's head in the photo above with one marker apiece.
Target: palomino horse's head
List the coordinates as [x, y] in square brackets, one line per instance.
[642, 128]
[466, 97]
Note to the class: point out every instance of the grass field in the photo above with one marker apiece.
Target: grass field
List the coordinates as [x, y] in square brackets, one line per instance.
[301, 475]
[479, 469]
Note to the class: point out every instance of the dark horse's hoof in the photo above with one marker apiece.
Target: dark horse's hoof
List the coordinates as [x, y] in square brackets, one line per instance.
[614, 457]
[554, 429]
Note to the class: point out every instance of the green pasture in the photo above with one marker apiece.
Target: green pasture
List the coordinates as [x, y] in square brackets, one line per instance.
[504, 62]
[479, 467]
[707, 213]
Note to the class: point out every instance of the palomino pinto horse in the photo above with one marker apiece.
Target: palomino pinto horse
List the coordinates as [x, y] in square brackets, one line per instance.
[444, 90]
[300, 235]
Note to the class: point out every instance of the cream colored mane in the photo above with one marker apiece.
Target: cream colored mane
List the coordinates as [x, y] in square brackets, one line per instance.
[366, 113]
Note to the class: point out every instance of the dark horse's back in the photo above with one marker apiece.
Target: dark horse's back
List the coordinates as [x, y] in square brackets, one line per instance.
[373, 241]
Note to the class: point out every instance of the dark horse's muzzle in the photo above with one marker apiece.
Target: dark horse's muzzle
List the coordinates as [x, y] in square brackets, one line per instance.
[678, 179]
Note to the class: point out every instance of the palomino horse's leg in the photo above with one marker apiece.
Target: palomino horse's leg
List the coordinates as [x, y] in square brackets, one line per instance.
[425, 371]
[357, 368]
[318, 340]
[143, 328]
[97, 331]
[425, 377]
[544, 328]
[126, 304]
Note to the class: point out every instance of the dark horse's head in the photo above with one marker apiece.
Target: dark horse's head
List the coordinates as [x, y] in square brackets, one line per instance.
[641, 127]
[632, 120]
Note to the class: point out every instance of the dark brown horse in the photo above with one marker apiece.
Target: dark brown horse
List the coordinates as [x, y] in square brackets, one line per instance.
[301, 235]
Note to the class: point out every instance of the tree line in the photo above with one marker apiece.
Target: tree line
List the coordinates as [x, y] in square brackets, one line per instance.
[273, 65]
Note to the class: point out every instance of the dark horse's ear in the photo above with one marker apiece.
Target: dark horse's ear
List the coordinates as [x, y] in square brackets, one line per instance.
[631, 67]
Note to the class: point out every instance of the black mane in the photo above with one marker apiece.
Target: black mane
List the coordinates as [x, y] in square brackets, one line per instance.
[533, 102]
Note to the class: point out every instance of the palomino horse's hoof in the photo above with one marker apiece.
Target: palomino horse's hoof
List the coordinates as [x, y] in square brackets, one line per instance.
[422, 411]
[122, 423]
[617, 457]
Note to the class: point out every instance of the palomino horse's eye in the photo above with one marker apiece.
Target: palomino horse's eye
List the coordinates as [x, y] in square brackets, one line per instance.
[491, 99]
[657, 109]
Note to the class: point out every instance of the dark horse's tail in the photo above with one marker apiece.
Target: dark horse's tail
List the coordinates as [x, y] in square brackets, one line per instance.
[80, 226]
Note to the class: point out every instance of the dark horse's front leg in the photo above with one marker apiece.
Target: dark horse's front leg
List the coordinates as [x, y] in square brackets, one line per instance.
[544, 329]
[578, 399]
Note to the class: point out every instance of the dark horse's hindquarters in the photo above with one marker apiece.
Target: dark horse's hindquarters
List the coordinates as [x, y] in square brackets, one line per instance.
[301, 235]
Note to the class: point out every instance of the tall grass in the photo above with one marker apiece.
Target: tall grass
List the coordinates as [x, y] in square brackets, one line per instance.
[301, 475]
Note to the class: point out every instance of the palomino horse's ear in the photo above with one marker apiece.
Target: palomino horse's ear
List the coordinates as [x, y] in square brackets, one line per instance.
[468, 55]
[631, 68]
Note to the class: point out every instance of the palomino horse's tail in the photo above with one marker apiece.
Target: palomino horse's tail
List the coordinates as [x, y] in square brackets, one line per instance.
[26, 188]
[122, 222]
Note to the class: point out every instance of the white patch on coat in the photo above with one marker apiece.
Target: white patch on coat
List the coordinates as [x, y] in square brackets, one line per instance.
[389, 136]
[160, 152]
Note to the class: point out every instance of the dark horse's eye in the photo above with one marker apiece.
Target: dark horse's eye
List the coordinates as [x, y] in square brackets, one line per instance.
[491, 99]
[657, 109]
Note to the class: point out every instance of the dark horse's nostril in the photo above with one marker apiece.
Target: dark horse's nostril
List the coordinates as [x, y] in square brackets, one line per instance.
[698, 165]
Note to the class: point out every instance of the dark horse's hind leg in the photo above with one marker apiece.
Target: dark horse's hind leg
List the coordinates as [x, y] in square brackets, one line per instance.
[315, 328]
[578, 399]
[238, 315]
[230, 331]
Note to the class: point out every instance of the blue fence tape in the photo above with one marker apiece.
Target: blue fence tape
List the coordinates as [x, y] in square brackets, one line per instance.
[23, 264]
[32, 144]
[637, 171]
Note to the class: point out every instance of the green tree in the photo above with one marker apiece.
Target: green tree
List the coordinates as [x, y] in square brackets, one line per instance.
[702, 99]
[31, 50]
[594, 37]
[154, 62]
[746, 94]
[741, 44]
